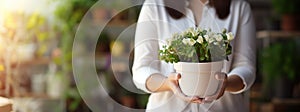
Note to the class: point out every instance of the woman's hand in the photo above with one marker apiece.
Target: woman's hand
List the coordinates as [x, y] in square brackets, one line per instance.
[173, 84]
[222, 77]
[233, 83]
[159, 83]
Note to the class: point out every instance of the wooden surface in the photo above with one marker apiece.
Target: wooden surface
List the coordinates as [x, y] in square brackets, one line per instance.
[276, 105]
[286, 105]
[277, 34]
[38, 104]
[35, 61]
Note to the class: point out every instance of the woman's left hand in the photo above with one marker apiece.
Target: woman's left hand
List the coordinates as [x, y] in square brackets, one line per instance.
[222, 77]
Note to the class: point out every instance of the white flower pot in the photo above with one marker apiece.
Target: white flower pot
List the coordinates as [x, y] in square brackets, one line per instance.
[198, 79]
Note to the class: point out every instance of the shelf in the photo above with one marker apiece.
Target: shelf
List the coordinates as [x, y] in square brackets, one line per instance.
[282, 105]
[258, 103]
[277, 34]
[292, 101]
[35, 61]
[31, 104]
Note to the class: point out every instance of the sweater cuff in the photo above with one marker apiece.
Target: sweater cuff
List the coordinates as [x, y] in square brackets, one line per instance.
[245, 74]
[140, 77]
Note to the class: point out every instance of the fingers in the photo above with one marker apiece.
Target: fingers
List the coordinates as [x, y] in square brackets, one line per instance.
[177, 91]
[211, 98]
[178, 76]
[220, 92]
[192, 99]
[223, 87]
[174, 76]
[221, 76]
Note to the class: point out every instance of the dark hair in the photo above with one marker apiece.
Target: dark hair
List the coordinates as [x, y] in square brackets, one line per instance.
[222, 7]
[175, 8]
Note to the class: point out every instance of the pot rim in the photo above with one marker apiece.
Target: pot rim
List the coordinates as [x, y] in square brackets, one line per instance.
[214, 62]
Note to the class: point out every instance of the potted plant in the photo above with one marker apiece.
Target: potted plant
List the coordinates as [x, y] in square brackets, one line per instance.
[279, 66]
[289, 13]
[198, 55]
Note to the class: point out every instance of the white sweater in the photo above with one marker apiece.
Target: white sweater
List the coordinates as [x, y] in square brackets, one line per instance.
[155, 26]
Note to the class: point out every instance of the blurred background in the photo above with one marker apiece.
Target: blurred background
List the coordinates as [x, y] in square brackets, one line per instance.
[36, 38]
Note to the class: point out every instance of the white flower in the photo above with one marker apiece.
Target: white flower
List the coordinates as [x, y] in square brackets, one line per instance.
[206, 37]
[210, 40]
[189, 41]
[192, 42]
[169, 41]
[230, 36]
[219, 37]
[199, 29]
[211, 34]
[200, 39]
[194, 33]
[172, 52]
[185, 41]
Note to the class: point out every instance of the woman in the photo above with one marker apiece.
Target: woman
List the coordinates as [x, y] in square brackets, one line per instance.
[159, 19]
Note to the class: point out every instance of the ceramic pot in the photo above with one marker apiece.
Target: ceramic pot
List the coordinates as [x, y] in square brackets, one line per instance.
[198, 79]
[290, 22]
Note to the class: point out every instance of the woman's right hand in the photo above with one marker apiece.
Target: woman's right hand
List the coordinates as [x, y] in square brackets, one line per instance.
[173, 84]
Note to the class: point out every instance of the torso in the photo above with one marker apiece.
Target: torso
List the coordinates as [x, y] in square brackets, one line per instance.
[166, 101]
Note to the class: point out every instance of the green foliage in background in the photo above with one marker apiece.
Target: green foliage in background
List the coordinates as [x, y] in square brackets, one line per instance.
[280, 59]
[68, 15]
[286, 6]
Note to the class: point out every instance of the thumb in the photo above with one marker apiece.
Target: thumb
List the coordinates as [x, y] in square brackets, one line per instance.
[178, 76]
[221, 76]
[174, 76]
